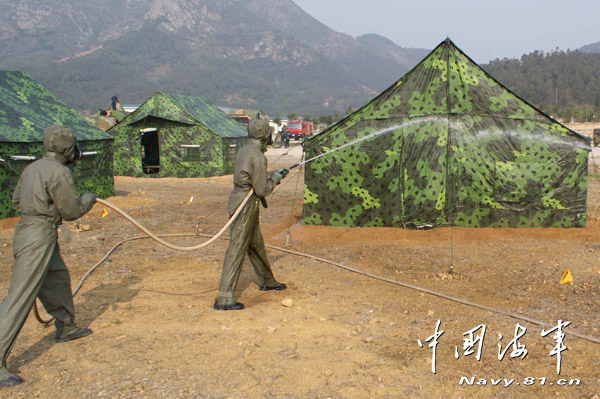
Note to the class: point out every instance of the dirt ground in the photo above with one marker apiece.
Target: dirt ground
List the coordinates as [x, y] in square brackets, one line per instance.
[586, 128]
[345, 335]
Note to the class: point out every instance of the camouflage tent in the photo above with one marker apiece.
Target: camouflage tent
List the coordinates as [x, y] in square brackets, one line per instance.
[448, 145]
[177, 136]
[26, 109]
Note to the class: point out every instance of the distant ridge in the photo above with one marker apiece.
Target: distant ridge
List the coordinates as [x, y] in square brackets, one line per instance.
[591, 48]
[266, 54]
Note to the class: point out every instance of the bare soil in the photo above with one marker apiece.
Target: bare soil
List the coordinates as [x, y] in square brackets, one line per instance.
[584, 128]
[345, 335]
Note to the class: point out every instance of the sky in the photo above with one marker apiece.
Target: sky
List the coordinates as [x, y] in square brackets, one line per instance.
[484, 29]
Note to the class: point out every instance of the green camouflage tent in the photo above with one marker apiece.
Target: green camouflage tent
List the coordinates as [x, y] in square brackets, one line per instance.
[448, 145]
[26, 109]
[176, 136]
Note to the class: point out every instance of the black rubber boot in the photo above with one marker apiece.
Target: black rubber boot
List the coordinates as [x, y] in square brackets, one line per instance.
[69, 333]
[278, 287]
[11, 381]
[235, 306]
[8, 379]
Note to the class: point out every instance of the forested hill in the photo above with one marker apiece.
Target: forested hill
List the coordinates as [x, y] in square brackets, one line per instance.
[562, 83]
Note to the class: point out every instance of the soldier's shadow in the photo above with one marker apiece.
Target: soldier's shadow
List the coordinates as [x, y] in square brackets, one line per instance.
[97, 301]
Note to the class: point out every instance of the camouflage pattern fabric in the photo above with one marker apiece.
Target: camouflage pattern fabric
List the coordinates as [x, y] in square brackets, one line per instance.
[450, 146]
[26, 109]
[195, 139]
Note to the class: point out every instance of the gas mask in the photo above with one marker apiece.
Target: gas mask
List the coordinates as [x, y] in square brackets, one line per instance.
[73, 155]
[62, 141]
[260, 130]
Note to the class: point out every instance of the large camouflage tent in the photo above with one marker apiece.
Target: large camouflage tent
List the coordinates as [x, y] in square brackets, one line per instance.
[26, 109]
[448, 145]
[176, 136]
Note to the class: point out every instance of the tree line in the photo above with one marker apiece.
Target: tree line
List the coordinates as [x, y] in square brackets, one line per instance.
[563, 84]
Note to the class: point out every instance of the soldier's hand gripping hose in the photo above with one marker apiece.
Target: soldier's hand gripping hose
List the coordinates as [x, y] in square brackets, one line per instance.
[280, 174]
[284, 171]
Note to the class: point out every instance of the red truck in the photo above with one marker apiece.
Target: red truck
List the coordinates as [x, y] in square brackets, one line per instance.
[299, 129]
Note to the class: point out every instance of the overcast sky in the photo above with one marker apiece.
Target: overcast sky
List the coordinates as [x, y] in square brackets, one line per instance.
[484, 29]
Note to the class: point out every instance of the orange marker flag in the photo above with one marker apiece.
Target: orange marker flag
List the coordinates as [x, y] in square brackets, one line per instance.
[103, 213]
[566, 277]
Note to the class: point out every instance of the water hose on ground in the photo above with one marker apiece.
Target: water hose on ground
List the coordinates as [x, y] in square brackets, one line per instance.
[304, 255]
[149, 234]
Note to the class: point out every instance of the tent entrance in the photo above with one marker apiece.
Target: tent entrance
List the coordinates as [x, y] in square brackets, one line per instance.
[150, 151]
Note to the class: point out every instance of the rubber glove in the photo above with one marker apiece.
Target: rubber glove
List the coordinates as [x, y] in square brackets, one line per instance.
[284, 172]
[278, 175]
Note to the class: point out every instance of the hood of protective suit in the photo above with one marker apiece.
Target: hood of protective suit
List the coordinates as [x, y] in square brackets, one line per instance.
[259, 129]
[62, 141]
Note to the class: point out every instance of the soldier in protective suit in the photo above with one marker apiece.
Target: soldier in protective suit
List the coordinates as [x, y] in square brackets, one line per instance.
[45, 195]
[250, 173]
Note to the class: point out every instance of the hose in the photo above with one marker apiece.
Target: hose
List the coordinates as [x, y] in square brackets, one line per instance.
[149, 234]
[50, 319]
[427, 291]
[341, 266]
[172, 246]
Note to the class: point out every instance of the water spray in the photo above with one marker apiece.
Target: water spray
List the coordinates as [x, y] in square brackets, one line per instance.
[370, 136]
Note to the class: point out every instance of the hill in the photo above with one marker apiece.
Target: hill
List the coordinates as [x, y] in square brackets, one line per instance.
[266, 54]
[591, 48]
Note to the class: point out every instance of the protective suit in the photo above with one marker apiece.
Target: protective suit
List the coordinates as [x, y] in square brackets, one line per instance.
[45, 195]
[250, 173]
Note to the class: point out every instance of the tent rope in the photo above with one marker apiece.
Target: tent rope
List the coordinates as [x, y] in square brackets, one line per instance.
[449, 185]
[288, 236]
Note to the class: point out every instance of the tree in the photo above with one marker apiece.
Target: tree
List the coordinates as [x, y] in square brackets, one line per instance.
[277, 121]
[292, 116]
[564, 84]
